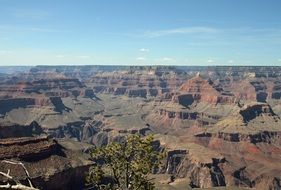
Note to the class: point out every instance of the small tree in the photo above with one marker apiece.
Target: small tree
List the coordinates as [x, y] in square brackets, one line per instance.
[127, 164]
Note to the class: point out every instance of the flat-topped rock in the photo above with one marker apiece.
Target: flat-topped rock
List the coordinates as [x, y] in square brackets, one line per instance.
[27, 148]
[50, 165]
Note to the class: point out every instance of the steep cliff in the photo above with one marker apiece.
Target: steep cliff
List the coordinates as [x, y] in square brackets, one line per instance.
[50, 166]
[203, 167]
[198, 89]
[9, 130]
[53, 102]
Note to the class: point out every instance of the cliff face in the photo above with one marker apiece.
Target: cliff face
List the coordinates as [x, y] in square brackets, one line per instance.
[178, 114]
[253, 123]
[206, 116]
[9, 130]
[275, 90]
[59, 83]
[253, 136]
[251, 131]
[87, 93]
[203, 175]
[143, 84]
[256, 89]
[41, 86]
[250, 112]
[142, 92]
[259, 137]
[198, 89]
[28, 149]
[251, 164]
[188, 163]
[137, 93]
[54, 102]
[49, 164]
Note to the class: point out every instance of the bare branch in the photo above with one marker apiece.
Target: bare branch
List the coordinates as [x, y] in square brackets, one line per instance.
[18, 185]
[7, 186]
[22, 165]
[7, 175]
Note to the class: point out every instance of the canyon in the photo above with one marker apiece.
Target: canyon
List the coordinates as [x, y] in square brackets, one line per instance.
[220, 126]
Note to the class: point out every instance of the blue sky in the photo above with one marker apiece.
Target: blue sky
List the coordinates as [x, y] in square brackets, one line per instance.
[140, 32]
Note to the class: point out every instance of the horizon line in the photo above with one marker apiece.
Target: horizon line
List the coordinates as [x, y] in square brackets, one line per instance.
[137, 65]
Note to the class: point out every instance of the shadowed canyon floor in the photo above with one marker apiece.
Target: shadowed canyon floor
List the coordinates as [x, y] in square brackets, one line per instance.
[220, 126]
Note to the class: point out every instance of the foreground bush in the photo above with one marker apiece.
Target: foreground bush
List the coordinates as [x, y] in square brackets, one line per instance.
[125, 165]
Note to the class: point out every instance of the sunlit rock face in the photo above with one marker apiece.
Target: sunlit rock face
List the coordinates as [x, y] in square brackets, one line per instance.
[49, 164]
[220, 126]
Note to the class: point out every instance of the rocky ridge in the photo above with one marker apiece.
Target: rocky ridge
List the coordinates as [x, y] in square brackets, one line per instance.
[50, 166]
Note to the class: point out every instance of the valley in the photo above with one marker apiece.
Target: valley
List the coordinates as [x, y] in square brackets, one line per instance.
[220, 126]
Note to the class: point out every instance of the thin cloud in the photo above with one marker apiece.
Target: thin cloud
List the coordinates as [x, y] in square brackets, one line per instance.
[144, 50]
[40, 29]
[257, 36]
[60, 56]
[9, 28]
[141, 59]
[29, 14]
[167, 59]
[210, 61]
[5, 52]
[279, 60]
[175, 31]
[231, 61]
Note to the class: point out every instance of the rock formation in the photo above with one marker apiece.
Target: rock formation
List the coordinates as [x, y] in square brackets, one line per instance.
[50, 166]
[197, 118]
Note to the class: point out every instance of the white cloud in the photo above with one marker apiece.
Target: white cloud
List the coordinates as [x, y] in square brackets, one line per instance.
[186, 30]
[231, 61]
[144, 50]
[60, 56]
[167, 59]
[141, 59]
[5, 52]
[279, 60]
[210, 61]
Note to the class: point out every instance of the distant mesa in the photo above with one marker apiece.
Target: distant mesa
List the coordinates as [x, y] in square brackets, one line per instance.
[197, 114]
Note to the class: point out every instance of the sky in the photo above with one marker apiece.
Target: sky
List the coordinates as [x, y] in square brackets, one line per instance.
[140, 32]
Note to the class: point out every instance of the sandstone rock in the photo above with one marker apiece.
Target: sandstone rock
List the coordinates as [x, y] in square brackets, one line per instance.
[9, 130]
[50, 166]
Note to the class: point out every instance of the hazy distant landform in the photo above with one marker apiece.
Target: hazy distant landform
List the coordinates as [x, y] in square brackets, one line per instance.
[220, 126]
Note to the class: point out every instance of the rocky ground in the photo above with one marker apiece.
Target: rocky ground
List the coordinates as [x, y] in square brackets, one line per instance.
[219, 125]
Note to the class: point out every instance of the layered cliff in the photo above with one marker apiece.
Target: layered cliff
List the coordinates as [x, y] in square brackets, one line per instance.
[49, 165]
[140, 84]
[53, 102]
[202, 167]
[9, 130]
[253, 123]
[198, 89]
